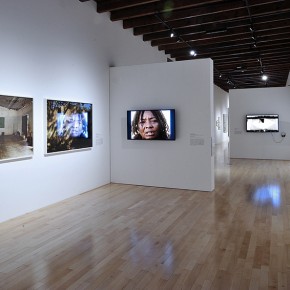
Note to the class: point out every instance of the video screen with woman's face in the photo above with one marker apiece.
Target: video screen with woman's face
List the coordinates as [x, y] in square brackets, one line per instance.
[69, 125]
[151, 124]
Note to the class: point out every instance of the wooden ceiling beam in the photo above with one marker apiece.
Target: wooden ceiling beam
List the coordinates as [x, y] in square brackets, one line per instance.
[227, 41]
[189, 22]
[270, 38]
[223, 27]
[157, 7]
[112, 5]
[238, 32]
[209, 28]
[235, 34]
[273, 32]
[179, 10]
[220, 56]
[226, 47]
[186, 13]
[226, 66]
[239, 51]
[194, 12]
[235, 15]
[240, 59]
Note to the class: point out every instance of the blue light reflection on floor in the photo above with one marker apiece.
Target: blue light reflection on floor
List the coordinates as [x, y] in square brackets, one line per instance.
[268, 194]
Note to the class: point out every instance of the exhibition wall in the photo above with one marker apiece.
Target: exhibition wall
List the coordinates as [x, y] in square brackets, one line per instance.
[221, 105]
[259, 101]
[60, 49]
[184, 163]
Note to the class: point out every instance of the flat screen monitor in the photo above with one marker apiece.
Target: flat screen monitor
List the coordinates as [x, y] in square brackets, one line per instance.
[151, 124]
[262, 123]
[69, 125]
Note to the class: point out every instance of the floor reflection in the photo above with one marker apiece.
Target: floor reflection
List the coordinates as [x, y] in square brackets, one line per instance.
[222, 162]
[267, 195]
[70, 263]
[145, 250]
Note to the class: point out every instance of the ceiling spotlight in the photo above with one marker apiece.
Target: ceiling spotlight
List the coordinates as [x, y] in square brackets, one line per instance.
[220, 75]
[264, 77]
[172, 34]
[192, 52]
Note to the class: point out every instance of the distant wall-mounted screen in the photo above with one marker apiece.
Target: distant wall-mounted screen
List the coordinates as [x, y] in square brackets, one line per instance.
[69, 125]
[151, 124]
[262, 123]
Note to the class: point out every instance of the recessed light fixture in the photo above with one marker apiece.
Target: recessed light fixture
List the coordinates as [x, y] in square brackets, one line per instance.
[192, 52]
[264, 77]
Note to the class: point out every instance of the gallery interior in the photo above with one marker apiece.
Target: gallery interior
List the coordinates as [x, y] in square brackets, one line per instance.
[91, 198]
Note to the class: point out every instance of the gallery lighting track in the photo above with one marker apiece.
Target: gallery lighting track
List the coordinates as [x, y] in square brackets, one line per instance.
[254, 45]
[172, 33]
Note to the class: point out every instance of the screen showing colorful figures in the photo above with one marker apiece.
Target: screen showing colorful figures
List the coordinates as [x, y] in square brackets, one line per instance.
[69, 125]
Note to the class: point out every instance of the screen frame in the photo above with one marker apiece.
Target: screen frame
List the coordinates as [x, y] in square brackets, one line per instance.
[172, 124]
[78, 143]
[257, 116]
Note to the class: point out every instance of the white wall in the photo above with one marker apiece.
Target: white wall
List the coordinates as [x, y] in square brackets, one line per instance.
[259, 145]
[60, 49]
[221, 105]
[186, 87]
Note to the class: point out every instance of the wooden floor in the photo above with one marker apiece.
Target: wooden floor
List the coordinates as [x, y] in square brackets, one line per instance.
[135, 237]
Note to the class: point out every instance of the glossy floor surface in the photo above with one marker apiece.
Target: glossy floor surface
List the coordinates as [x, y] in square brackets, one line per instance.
[135, 237]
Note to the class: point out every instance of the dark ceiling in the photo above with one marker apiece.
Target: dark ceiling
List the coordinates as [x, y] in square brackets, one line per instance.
[245, 38]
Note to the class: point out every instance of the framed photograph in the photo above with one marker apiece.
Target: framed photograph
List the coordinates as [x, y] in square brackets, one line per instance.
[225, 123]
[218, 123]
[69, 126]
[16, 127]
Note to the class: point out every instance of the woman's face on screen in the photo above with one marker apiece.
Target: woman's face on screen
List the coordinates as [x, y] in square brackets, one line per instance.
[75, 125]
[148, 126]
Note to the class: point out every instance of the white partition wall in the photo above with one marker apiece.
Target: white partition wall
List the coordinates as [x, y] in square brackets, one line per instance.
[259, 145]
[184, 163]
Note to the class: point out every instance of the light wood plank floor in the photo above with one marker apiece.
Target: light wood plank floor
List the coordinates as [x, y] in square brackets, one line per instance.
[135, 237]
